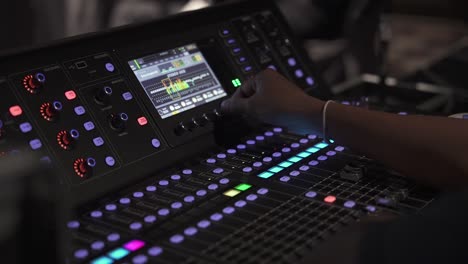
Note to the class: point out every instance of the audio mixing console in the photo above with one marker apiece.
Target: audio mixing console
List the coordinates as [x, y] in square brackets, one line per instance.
[156, 174]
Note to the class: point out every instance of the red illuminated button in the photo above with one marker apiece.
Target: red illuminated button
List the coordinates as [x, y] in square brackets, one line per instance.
[70, 95]
[330, 199]
[142, 121]
[16, 110]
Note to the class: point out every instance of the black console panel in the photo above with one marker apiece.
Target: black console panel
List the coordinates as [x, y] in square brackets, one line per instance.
[156, 173]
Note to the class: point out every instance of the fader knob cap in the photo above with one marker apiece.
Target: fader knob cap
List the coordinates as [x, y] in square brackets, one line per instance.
[103, 95]
[118, 121]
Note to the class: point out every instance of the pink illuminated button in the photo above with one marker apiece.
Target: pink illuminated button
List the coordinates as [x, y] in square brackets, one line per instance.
[330, 199]
[134, 245]
[16, 110]
[142, 121]
[70, 95]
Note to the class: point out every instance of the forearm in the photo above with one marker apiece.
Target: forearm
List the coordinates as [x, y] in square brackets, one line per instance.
[430, 149]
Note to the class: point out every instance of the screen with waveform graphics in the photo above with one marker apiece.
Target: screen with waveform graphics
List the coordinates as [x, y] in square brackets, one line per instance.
[177, 80]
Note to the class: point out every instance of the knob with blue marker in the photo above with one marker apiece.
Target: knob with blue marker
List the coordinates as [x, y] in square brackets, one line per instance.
[50, 111]
[34, 83]
[118, 122]
[103, 95]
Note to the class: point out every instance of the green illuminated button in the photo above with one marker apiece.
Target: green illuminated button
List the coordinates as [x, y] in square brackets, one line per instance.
[276, 169]
[118, 253]
[312, 150]
[332, 141]
[265, 175]
[231, 192]
[243, 187]
[304, 154]
[321, 145]
[285, 164]
[295, 159]
[236, 82]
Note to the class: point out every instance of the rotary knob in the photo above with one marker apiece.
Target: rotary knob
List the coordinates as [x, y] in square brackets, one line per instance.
[118, 122]
[50, 111]
[83, 167]
[34, 83]
[103, 95]
[66, 140]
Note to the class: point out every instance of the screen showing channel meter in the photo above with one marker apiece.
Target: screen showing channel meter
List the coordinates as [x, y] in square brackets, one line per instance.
[177, 80]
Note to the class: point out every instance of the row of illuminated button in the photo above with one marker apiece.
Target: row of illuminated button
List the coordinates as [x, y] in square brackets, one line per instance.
[331, 199]
[128, 248]
[236, 51]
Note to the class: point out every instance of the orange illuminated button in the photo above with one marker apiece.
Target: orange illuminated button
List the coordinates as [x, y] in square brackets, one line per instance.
[70, 95]
[16, 110]
[330, 199]
[142, 121]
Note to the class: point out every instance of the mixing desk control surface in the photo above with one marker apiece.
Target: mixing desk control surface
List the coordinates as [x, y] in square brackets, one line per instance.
[156, 173]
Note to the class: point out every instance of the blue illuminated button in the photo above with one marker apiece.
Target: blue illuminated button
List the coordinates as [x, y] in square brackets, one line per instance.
[89, 126]
[218, 171]
[241, 59]
[240, 203]
[102, 260]
[285, 164]
[81, 253]
[312, 150]
[251, 197]
[321, 145]
[224, 181]
[201, 193]
[322, 158]
[204, 224]
[189, 199]
[151, 188]
[268, 134]
[98, 245]
[79, 110]
[259, 138]
[257, 164]
[250, 142]
[127, 96]
[371, 208]
[310, 81]
[304, 141]
[163, 182]
[135, 226]
[140, 259]
[216, 217]
[295, 145]
[35, 144]
[211, 161]
[118, 253]
[349, 204]
[228, 210]
[149, 219]
[299, 73]
[73, 224]
[339, 148]
[190, 231]
[225, 32]
[292, 62]
[155, 251]
[96, 214]
[213, 187]
[98, 141]
[231, 41]
[138, 194]
[310, 194]
[295, 159]
[276, 154]
[277, 130]
[113, 237]
[331, 153]
[111, 207]
[124, 200]
[231, 151]
[155, 142]
[163, 212]
[46, 160]
[25, 127]
[312, 137]
[247, 169]
[110, 67]
[187, 171]
[265, 175]
[313, 163]
[304, 154]
[175, 177]
[294, 173]
[241, 146]
[176, 205]
[236, 50]
[267, 159]
[262, 191]
[276, 169]
[285, 150]
[221, 156]
[110, 161]
[304, 168]
[285, 178]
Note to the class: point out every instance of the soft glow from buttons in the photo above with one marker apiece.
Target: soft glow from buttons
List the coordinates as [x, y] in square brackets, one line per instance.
[330, 199]
[102, 260]
[142, 121]
[304, 154]
[312, 150]
[321, 145]
[265, 175]
[16, 110]
[243, 187]
[231, 192]
[276, 169]
[118, 253]
[70, 95]
[295, 159]
[285, 164]
[134, 245]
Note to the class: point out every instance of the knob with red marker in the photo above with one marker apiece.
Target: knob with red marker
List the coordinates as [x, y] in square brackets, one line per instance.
[67, 139]
[84, 167]
[34, 83]
[50, 111]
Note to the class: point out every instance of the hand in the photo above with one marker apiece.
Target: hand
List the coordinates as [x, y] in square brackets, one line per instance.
[273, 99]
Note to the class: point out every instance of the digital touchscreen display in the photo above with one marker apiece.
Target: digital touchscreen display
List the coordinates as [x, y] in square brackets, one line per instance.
[177, 80]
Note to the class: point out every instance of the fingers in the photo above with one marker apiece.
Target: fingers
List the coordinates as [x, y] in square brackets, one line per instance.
[234, 105]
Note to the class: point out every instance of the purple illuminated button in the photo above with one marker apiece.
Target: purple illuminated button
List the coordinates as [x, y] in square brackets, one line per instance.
[259, 138]
[187, 171]
[189, 199]
[155, 142]
[286, 150]
[111, 207]
[276, 154]
[304, 168]
[251, 197]
[262, 191]
[285, 178]
[177, 239]
[312, 137]
[257, 164]
[221, 156]
[247, 68]
[79, 110]
[98, 141]
[98, 245]
[295, 145]
[135, 226]
[242, 59]
[190, 231]
[224, 181]
[110, 67]
[299, 73]
[110, 161]
[204, 224]
[96, 214]
[231, 151]
[267, 159]
[150, 188]
[339, 148]
[149, 219]
[371, 208]
[124, 200]
[201, 193]
[176, 205]
[25, 127]
[310, 80]
[311, 194]
[304, 141]
[231, 41]
[218, 171]
[35, 144]
[349, 204]
[138, 194]
[294, 173]
[322, 158]
[73, 224]
[268, 134]
[140, 259]
[345, 102]
[127, 96]
[236, 50]
[211, 161]
[228, 210]
[241, 146]
[155, 251]
[163, 182]
[81, 253]
[213, 186]
[225, 32]
[247, 169]
[313, 163]
[113, 237]
[216, 217]
[250, 142]
[277, 130]
[331, 153]
[175, 177]
[163, 212]
[292, 62]
[240, 203]
[88, 126]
